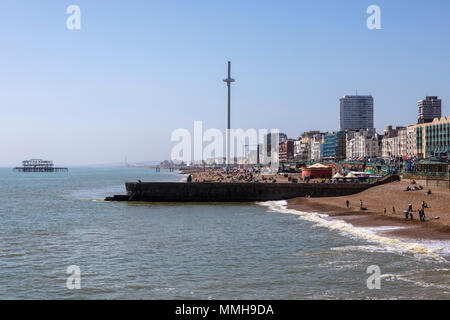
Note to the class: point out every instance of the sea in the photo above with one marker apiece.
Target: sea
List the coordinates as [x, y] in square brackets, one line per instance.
[60, 240]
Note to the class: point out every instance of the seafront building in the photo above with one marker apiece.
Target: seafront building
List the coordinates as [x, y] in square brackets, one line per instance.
[356, 112]
[302, 151]
[430, 139]
[316, 146]
[359, 140]
[266, 149]
[286, 151]
[429, 109]
[363, 144]
[304, 146]
[334, 146]
[394, 143]
[411, 144]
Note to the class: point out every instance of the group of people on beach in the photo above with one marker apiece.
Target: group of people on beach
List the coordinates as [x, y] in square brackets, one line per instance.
[416, 188]
[409, 212]
[235, 176]
[361, 207]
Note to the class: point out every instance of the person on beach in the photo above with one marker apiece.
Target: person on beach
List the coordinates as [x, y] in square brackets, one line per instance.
[424, 205]
[347, 203]
[393, 210]
[360, 204]
[428, 192]
[422, 215]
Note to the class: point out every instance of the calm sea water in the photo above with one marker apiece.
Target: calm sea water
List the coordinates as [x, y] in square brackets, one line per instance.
[49, 222]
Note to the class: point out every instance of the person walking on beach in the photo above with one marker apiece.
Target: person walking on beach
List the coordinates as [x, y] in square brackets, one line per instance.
[422, 215]
[361, 204]
[347, 203]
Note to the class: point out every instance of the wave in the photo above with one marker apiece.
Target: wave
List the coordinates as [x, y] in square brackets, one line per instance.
[417, 283]
[369, 234]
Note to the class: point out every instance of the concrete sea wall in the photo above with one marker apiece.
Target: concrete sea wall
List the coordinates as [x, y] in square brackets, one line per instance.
[236, 192]
[430, 182]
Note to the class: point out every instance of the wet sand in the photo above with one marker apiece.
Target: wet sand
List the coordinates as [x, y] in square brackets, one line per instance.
[386, 196]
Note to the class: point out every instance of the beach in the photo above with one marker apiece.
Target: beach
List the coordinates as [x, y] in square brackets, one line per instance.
[379, 198]
[236, 176]
[379, 202]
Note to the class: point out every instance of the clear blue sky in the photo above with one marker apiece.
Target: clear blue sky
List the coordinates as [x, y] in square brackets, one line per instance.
[137, 70]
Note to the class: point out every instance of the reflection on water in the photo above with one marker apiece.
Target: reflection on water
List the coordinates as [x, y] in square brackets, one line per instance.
[156, 251]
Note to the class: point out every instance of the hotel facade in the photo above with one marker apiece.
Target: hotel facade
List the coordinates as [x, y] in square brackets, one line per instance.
[430, 139]
[394, 143]
[363, 144]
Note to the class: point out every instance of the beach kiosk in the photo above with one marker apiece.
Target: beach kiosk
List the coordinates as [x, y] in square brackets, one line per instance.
[338, 177]
[350, 176]
[317, 171]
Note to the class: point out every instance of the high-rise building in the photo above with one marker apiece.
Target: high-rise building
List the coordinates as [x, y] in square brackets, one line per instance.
[429, 109]
[356, 112]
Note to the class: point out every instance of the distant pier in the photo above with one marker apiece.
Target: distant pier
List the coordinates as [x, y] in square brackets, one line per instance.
[39, 165]
[158, 169]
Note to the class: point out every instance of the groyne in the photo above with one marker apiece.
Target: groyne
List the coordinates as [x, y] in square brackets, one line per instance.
[237, 192]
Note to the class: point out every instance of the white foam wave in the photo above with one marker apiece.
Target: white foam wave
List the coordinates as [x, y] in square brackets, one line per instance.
[324, 221]
[418, 283]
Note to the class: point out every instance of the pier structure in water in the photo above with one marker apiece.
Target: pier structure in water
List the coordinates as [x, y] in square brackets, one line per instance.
[39, 165]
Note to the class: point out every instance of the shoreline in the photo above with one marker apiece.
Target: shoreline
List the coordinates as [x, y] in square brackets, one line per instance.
[388, 229]
[437, 250]
[376, 199]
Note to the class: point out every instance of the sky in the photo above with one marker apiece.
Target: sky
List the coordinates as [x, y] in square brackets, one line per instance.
[138, 70]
